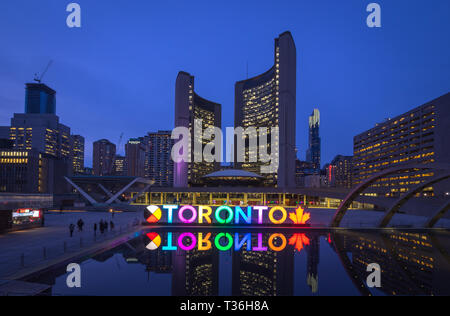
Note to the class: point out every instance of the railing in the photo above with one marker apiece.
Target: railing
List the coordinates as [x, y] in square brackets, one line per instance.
[71, 245]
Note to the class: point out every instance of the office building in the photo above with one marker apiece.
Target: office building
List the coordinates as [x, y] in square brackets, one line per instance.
[419, 136]
[39, 99]
[103, 160]
[159, 164]
[29, 171]
[313, 153]
[340, 172]
[189, 107]
[267, 101]
[135, 157]
[120, 166]
[78, 153]
[42, 132]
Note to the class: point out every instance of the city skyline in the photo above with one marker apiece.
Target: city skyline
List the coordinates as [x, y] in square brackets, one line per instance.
[375, 62]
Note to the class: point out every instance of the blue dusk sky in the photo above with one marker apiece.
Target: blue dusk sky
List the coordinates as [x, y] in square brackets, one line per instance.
[116, 74]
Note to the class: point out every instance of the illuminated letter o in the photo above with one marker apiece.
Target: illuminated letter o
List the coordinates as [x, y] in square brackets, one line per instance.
[282, 210]
[273, 247]
[194, 214]
[230, 214]
[219, 246]
[182, 246]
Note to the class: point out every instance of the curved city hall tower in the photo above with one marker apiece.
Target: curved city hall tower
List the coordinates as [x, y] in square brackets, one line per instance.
[269, 100]
[188, 108]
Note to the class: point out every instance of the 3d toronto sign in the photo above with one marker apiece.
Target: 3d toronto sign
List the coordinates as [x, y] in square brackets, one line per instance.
[225, 215]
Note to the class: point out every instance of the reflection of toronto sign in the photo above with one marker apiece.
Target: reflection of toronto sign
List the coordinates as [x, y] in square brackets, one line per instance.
[226, 215]
[226, 241]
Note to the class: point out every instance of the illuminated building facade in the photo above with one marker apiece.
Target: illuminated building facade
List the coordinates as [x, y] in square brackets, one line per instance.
[28, 171]
[313, 153]
[42, 132]
[104, 154]
[189, 106]
[78, 153]
[135, 157]
[120, 166]
[159, 164]
[340, 172]
[39, 99]
[419, 136]
[269, 100]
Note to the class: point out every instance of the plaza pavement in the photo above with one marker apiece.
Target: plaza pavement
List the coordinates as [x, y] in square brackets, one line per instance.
[24, 249]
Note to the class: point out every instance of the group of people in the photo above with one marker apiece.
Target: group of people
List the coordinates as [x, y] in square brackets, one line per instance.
[103, 226]
[80, 225]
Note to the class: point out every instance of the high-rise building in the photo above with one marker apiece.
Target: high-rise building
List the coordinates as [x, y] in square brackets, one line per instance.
[313, 153]
[104, 153]
[78, 153]
[419, 136]
[39, 99]
[120, 166]
[135, 157]
[340, 172]
[189, 107]
[43, 132]
[267, 101]
[159, 163]
[29, 171]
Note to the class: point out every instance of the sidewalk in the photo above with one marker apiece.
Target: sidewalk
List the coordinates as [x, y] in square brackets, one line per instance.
[25, 249]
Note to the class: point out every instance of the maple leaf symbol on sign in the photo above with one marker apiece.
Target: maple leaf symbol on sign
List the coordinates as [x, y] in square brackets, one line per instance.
[299, 241]
[300, 217]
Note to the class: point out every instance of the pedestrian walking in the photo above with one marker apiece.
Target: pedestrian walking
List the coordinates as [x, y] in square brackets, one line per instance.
[95, 228]
[102, 227]
[111, 224]
[71, 229]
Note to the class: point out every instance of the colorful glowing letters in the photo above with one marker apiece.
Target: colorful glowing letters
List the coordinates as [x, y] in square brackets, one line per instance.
[226, 215]
[224, 241]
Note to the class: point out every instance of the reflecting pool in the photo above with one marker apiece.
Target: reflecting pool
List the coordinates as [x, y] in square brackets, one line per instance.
[197, 262]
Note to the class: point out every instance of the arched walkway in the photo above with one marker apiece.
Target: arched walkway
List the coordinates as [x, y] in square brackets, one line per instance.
[439, 214]
[405, 198]
[343, 208]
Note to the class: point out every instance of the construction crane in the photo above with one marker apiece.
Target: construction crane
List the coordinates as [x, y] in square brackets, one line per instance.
[38, 78]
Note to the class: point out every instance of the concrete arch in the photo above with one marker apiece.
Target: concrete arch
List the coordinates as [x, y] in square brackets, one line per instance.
[343, 208]
[439, 214]
[401, 201]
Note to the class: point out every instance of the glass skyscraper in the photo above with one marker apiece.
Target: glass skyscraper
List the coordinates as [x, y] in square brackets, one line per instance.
[313, 154]
[39, 99]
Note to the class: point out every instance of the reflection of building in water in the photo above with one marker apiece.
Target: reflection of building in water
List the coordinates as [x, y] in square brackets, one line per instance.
[313, 251]
[135, 252]
[263, 273]
[196, 273]
[409, 263]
